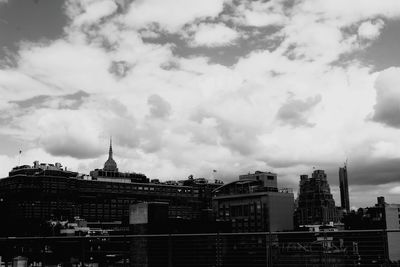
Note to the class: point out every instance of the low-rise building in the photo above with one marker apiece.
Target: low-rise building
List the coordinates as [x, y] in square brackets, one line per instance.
[381, 216]
[254, 203]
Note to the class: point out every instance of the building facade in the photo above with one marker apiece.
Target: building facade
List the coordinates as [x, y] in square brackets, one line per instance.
[382, 216]
[32, 195]
[255, 204]
[315, 201]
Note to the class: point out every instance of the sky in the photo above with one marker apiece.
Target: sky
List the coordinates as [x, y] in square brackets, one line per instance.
[187, 87]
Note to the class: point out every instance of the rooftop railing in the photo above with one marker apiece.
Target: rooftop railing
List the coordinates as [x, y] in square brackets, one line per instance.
[334, 248]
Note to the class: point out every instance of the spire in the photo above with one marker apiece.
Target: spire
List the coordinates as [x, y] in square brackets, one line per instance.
[110, 164]
[110, 152]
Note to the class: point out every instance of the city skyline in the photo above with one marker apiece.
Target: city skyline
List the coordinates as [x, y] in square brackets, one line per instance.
[232, 86]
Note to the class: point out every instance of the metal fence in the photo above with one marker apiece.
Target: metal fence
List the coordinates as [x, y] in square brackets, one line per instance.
[336, 248]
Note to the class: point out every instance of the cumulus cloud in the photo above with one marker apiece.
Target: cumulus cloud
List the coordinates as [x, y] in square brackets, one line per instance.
[63, 134]
[260, 13]
[93, 11]
[68, 101]
[294, 111]
[138, 60]
[213, 35]
[370, 30]
[159, 107]
[387, 107]
[171, 15]
[119, 68]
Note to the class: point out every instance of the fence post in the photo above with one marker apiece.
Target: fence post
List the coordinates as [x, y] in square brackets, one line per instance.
[325, 249]
[268, 245]
[127, 249]
[83, 251]
[385, 247]
[266, 250]
[217, 251]
[169, 250]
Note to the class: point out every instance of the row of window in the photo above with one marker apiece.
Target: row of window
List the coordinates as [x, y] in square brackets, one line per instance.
[244, 210]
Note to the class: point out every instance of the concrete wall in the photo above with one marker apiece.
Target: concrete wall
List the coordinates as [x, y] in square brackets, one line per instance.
[269, 179]
[392, 223]
[281, 208]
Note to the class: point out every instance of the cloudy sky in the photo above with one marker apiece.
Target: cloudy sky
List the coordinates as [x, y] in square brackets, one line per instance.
[188, 86]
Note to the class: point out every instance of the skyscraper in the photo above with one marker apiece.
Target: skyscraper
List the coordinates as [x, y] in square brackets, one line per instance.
[344, 188]
[315, 202]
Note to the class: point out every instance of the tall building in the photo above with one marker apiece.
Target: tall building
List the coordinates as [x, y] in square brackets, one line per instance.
[344, 188]
[255, 204]
[315, 201]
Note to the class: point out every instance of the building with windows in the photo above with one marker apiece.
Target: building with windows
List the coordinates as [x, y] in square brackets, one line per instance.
[268, 179]
[382, 216]
[32, 195]
[315, 201]
[344, 189]
[254, 203]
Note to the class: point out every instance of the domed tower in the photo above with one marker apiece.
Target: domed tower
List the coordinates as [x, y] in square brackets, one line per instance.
[110, 164]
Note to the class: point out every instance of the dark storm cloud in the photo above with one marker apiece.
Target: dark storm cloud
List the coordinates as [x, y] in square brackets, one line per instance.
[361, 171]
[387, 107]
[252, 38]
[232, 135]
[36, 101]
[29, 21]
[294, 111]
[236, 138]
[79, 133]
[70, 146]
[170, 65]
[76, 96]
[383, 52]
[373, 172]
[388, 112]
[119, 68]
[159, 107]
[69, 101]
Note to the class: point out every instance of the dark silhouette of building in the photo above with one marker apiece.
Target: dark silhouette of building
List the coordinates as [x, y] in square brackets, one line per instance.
[254, 203]
[344, 188]
[381, 216]
[32, 195]
[315, 202]
[110, 172]
[110, 164]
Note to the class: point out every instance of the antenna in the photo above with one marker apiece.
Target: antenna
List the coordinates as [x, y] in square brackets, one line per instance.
[19, 157]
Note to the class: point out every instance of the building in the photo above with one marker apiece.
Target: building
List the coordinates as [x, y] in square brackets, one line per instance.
[31, 196]
[110, 172]
[269, 179]
[315, 201]
[344, 189]
[381, 216]
[254, 203]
